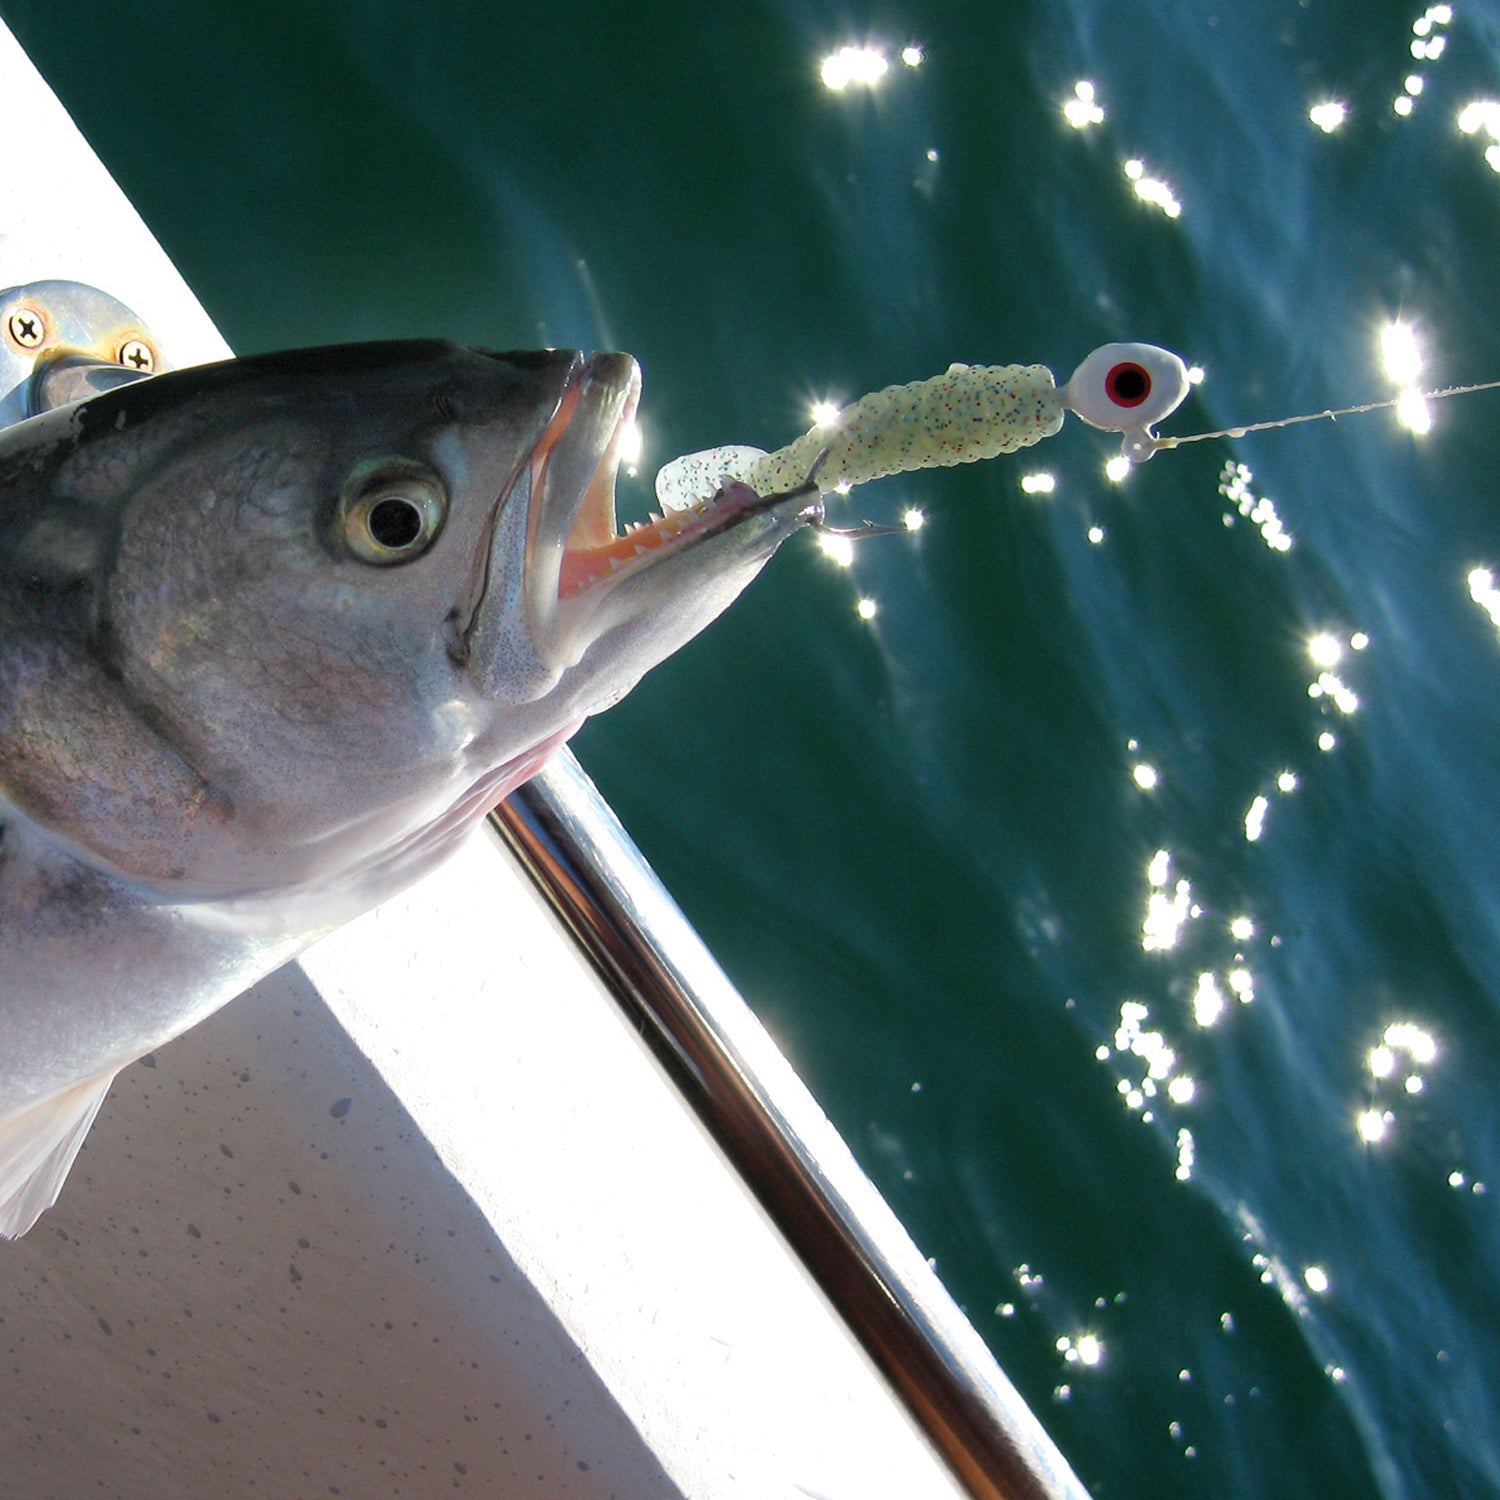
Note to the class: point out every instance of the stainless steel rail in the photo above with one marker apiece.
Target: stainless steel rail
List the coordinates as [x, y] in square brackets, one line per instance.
[657, 969]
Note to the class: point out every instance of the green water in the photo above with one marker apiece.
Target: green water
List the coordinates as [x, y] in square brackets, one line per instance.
[921, 842]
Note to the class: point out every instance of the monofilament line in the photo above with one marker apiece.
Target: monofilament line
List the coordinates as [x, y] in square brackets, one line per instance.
[1158, 443]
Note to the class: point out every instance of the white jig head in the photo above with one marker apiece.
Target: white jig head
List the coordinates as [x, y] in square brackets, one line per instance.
[1127, 388]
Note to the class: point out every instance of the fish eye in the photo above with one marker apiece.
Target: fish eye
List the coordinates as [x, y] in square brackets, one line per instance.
[390, 512]
[1126, 387]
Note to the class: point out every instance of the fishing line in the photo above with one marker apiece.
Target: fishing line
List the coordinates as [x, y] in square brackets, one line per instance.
[1158, 444]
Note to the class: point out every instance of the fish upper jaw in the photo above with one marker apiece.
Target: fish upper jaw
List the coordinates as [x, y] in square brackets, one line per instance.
[573, 470]
[503, 634]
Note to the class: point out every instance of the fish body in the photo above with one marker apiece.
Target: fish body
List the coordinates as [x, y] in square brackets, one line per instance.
[274, 635]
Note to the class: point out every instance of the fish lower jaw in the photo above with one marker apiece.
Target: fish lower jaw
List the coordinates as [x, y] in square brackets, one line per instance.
[736, 529]
[583, 567]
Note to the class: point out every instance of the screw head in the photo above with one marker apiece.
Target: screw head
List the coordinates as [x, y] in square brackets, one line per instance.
[138, 355]
[26, 326]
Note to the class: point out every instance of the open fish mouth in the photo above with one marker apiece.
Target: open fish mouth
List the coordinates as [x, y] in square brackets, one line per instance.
[578, 552]
[588, 562]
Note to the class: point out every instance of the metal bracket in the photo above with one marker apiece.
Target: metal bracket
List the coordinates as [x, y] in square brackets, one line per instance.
[63, 341]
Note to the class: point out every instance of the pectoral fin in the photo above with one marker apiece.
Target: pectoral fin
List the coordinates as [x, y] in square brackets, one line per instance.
[38, 1145]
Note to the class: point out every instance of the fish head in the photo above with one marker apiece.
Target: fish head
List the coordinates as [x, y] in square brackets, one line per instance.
[314, 613]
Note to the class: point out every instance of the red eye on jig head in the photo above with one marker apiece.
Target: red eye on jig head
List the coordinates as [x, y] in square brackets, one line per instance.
[1128, 384]
[1127, 388]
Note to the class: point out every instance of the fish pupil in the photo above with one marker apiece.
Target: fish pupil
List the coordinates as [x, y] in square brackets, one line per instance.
[395, 522]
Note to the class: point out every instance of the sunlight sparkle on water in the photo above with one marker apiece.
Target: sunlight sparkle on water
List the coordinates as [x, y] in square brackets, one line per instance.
[1255, 819]
[1145, 777]
[824, 413]
[912, 56]
[1208, 1000]
[1242, 929]
[1082, 110]
[1185, 1155]
[1402, 361]
[1328, 116]
[860, 65]
[1414, 412]
[1150, 1046]
[1274, 1271]
[1399, 355]
[1117, 469]
[1165, 912]
[1428, 44]
[838, 549]
[1329, 686]
[1234, 486]
[1083, 1350]
[1392, 1063]
[1152, 190]
[1483, 115]
[1408, 1037]
[866, 609]
[1154, 1071]
[1483, 592]
[1038, 484]
[1325, 650]
[913, 519]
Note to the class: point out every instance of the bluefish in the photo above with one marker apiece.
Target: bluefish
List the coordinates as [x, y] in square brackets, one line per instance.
[274, 635]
